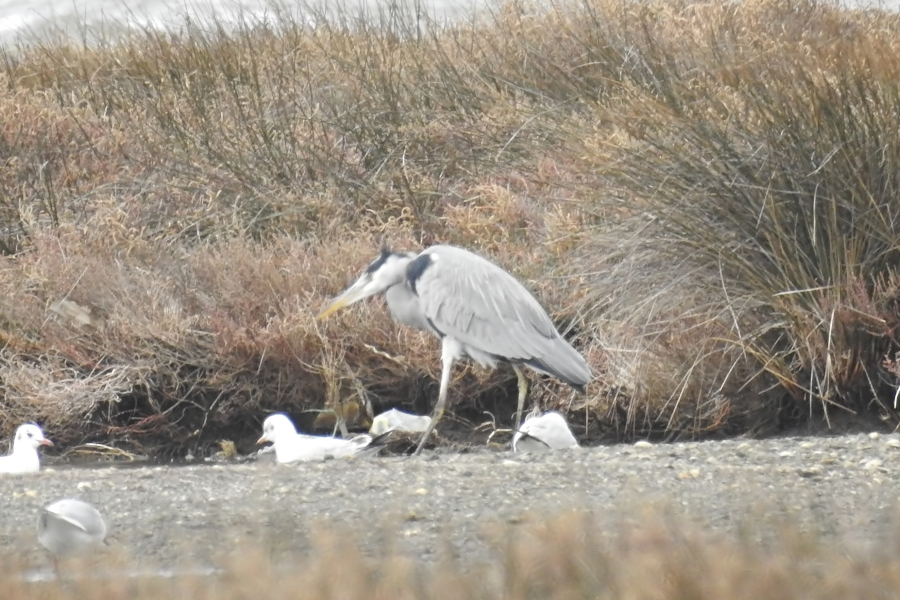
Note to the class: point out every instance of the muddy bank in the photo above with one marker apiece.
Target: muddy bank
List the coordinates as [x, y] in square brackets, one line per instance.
[842, 487]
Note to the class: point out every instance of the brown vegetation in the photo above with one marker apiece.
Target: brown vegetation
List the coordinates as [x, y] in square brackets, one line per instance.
[653, 556]
[703, 194]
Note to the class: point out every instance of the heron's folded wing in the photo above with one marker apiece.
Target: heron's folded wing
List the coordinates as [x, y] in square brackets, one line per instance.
[483, 306]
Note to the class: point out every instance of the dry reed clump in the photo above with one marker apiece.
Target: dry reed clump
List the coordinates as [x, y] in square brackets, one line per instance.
[651, 555]
[767, 184]
[703, 198]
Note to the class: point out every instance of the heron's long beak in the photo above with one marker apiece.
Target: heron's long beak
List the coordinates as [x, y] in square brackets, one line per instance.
[354, 293]
[46, 442]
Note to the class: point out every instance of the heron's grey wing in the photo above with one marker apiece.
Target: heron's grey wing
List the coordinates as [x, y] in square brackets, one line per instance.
[479, 304]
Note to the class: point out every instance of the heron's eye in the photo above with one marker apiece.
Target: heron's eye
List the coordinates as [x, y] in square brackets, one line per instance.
[29, 434]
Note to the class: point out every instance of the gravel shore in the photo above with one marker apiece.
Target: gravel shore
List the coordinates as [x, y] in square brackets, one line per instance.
[842, 487]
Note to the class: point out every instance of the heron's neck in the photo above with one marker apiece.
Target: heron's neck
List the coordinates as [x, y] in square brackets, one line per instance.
[394, 272]
[404, 306]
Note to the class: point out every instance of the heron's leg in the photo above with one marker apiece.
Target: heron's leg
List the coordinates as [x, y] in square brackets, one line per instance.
[341, 424]
[523, 391]
[447, 359]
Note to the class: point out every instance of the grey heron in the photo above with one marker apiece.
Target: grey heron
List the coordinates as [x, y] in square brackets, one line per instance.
[476, 308]
[291, 446]
[24, 457]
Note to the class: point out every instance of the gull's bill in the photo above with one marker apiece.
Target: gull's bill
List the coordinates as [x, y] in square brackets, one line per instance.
[24, 457]
[540, 433]
[399, 421]
[291, 446]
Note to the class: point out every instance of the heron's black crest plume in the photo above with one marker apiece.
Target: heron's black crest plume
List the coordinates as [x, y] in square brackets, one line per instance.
[386, 253]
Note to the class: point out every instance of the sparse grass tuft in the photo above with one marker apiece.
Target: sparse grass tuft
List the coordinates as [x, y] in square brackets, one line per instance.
[566, 556]
[767, 185]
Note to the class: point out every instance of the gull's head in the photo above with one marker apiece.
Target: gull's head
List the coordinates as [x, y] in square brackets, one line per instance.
[386, 271]
[28, 437]
[277, 426]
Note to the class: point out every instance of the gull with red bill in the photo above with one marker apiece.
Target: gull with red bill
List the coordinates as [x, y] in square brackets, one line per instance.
[291, 447]
[24, 457]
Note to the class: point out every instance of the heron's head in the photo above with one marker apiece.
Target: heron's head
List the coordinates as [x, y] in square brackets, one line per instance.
[387, 270]
[30, 436]
[275, 426]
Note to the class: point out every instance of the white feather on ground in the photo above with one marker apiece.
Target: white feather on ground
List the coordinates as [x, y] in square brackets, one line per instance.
[24, 457]
[291, 446]
[542, 433]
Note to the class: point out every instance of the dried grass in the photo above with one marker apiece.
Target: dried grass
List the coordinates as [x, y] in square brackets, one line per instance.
[652, 555]
[667, 178]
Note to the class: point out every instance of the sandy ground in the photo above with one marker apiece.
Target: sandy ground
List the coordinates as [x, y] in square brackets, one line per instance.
[843, 487]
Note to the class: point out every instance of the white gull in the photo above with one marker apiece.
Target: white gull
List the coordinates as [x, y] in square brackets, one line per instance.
[24, 457]
[291, 446]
